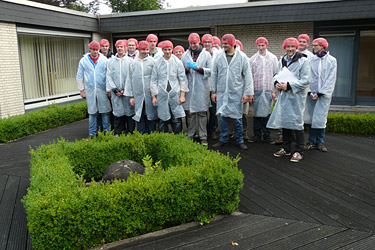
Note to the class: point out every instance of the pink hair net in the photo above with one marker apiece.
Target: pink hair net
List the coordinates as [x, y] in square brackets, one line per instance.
[206, 37]
[94, 45]
[304, 36]
[290, 41]
[152, 36]
[104, 41]
[167, 44]
[194, 38]
[133, 40]
[262, 40]
[178, 47]
[230, 39]
[238, 42]
[143, 45]
[321, 41]
[215, 39]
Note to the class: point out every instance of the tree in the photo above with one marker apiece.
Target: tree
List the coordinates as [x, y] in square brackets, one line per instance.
[93, 6]
[120, 6]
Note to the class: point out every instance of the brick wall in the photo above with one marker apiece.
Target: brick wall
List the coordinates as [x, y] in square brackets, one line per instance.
[99, 36]
[11, 101]
[275, 34]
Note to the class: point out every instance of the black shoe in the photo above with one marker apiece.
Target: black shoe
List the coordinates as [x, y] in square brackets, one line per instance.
[219, 144]
[242, 146]
[213, 136]
[255, 138]
[268, 139]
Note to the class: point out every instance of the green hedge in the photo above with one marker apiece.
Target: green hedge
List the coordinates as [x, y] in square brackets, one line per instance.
[186, 182]
[363, 124]
[36, 121]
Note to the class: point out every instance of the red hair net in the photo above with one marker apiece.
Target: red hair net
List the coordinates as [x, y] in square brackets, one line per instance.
[262, 40]
[194, 38]
[215, 39]
[178, 47]
[133, 40]
[230, 39]
[122, 42]
[94, 45]
[321, 41]
[160, 45]
[104, 41]
[290, 41]
[143, 45]
[206, 37]
[304, 36]
[167, 44]
[238, 42]
[152, 36]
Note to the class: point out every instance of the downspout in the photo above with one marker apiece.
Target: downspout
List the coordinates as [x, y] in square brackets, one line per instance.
[98, 21]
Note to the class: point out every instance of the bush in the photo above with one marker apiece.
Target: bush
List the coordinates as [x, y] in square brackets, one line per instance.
[36, 121]
[363, 124]
[186, 182]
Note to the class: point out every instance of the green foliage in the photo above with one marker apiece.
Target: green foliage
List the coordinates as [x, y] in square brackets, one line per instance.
[363, 124]
[120, 6]
[183, 182]
[36, 121]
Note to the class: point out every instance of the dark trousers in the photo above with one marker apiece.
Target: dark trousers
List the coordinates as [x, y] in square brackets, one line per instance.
[287, 140]
[124, 123]
[176, 124]
[212, 120]
[260, 128]
[145, 126]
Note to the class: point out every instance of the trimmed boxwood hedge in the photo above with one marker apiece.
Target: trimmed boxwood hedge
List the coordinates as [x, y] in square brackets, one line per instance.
[363, 124]
[186, 182]
[33, 122]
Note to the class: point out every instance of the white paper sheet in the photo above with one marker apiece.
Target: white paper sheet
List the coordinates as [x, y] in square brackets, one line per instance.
[285, 75]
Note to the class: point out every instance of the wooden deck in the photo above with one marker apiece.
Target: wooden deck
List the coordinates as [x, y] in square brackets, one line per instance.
[327, 201]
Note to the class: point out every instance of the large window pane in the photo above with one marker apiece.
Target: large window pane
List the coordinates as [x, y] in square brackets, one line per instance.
[366, 66]
[49, 64]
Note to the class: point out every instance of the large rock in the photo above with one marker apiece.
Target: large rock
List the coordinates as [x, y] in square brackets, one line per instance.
[121, 170]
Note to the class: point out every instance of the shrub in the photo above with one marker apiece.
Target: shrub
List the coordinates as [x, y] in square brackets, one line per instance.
[186, 182]
[36, 121]
[363, 124]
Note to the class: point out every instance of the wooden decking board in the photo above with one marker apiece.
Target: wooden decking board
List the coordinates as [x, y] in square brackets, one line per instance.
[18, 232]
[7, 209]
[337, 240]
[302, 238]
[367, 243]
[3, 181]
[269, 236]
[348, 217]
[248, 205]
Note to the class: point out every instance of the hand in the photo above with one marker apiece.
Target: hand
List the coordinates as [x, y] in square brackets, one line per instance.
[181, 100]
[82, 93]
[132, 101]
[278, 86]
[273, 95]
[214, 97]
[251, 98]
[120, 93]
[284, 86]
[154, 101]
[109, 94]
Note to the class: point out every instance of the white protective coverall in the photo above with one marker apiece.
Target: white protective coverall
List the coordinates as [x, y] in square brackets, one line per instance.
[263, 69]
[138, 86]
[93, 81]
[230, 83]
[159, 53]
[322, 80]
[289, 108]
[117, 72]
[309, 54]
[171, 70]
[198, 97]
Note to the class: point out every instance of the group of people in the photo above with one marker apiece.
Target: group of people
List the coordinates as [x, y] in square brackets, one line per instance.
[148, 85]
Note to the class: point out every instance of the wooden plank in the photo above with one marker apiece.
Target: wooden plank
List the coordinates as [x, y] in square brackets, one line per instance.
[3, 182]
[18, 232]
[367, 243]
[7, 208]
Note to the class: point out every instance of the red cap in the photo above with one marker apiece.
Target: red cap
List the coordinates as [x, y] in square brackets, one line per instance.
[304, 36]
[321, 41]
[230, 39]
[94, 45]
[152, 36]
[104, 41]
[262, 40]
[143, 45]
[290, 41]
[215, 39]
[167, 44]
[206, 37]
[194, 38]
[120, 42]
[133, 40]
[178, 47]
[238, 42]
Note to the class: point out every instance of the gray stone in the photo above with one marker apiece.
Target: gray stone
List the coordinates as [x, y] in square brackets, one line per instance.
[121, 170]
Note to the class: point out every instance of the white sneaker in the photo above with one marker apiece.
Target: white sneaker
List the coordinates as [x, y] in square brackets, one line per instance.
[297, 157]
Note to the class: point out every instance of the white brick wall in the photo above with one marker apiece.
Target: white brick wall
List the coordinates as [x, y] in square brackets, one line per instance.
[11, 101]
[275, 34]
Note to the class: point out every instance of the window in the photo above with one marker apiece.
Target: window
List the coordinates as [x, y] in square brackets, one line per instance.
[49, 64]
[366, 64]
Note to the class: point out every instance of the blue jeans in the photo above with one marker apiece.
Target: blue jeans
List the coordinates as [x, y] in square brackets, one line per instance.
[316, 135]
[224, 130]
[176, 124]
[144, 125]
[93, 122]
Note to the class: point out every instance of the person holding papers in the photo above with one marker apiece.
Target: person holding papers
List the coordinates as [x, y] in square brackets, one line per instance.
[291, 83]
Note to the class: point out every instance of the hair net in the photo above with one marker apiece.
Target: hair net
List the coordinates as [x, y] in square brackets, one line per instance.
[151, 36]
[238, 42]
[160, 45]
[262, 40]
[94, 45]
[178, 47]
[133, 40]
[122, 42]
[167, 44]
[290, 41]
[104, 41]
[321, 41]
[206, 37]
[143, 45]
[194, 38]
[304, 36]
[230, 39]
[215, 39]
